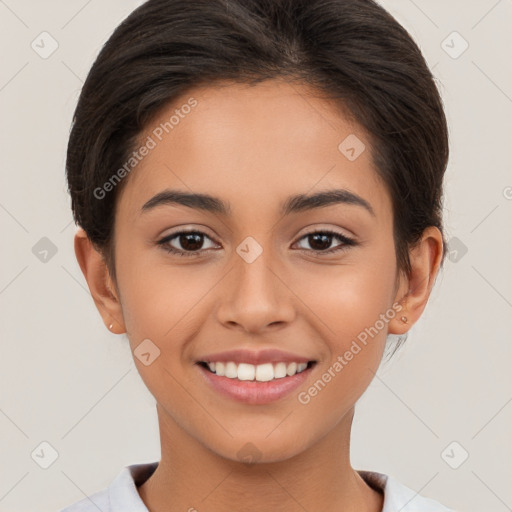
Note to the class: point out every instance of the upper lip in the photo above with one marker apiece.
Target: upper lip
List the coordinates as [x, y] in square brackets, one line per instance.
[255, 357]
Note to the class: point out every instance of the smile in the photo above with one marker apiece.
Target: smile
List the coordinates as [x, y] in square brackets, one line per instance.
[255, 384]
[261, 372]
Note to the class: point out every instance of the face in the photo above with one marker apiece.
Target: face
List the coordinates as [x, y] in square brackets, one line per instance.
[258, 272]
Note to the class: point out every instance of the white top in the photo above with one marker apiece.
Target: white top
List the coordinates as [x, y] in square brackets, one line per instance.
[122, 495]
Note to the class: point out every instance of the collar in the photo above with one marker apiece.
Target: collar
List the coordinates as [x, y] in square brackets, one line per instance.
[123, 494]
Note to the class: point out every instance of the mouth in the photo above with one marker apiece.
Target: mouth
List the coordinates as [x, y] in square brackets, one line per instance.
[260, 373]
[255, 384]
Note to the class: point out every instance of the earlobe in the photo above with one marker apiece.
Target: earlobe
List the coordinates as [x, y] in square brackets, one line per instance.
[414, 292]
[100, 284]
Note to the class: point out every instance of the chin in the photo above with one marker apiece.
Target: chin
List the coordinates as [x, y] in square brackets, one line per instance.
[257, 450]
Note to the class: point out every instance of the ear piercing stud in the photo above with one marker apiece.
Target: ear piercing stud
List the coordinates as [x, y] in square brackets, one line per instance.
[404, 319]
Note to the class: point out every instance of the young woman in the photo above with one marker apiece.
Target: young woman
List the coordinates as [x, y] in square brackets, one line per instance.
[258, 189]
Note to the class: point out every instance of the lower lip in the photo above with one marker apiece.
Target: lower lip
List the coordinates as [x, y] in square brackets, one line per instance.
[255, 392]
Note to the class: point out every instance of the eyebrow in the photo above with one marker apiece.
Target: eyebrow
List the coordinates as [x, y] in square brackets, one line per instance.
[294, 204]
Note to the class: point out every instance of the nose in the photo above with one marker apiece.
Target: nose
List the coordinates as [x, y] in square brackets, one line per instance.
[255, 296]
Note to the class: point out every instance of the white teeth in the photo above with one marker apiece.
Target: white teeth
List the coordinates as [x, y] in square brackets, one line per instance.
[219, 369]
[291, 369]
[230, 370]
[262, 372]
[246, 371]
[280, 370]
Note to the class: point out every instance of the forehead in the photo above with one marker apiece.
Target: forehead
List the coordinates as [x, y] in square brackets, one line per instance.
[244, 142]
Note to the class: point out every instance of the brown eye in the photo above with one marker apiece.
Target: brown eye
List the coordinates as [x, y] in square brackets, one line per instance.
[320, 241]
[190, 243]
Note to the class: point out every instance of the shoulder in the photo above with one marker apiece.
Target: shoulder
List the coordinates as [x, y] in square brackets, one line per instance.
[397, 496]
[97, 501]
[121, 495]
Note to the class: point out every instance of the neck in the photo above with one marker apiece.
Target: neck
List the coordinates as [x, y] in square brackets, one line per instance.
[190, 476]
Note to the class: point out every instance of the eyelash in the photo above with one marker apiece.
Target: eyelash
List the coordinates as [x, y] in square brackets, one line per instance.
[347, 242]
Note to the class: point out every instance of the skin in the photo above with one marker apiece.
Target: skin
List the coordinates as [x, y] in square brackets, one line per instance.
[253, 147]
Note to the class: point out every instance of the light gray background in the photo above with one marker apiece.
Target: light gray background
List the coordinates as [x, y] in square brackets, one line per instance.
[65, 380]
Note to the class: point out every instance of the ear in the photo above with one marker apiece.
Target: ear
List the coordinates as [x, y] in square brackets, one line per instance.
[100, 283]
[414, 290]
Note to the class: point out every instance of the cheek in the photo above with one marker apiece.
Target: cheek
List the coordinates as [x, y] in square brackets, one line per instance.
[158, 305]
[350, 306]
[350, 309]
[348, 299]
[154, 296]
[165, 304]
